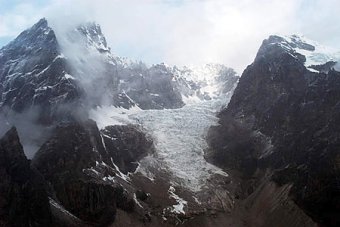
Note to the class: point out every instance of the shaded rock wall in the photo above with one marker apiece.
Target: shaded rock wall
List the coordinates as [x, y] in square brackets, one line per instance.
[284, 118]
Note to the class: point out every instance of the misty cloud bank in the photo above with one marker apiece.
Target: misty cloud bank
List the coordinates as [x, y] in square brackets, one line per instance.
[85, 52]
[337, 66]
[32, 135]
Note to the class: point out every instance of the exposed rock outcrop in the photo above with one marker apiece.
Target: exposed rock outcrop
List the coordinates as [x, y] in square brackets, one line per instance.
[23, 195]
[285, 118]
[33, 72]
[126, 144]
[79, 163]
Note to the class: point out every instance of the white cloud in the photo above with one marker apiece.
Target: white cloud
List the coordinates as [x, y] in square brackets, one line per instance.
[189, 31]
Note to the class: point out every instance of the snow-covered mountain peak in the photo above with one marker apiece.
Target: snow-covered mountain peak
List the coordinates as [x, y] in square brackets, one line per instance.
[315, 54]
[205, 82]
[94, 36]
[38, 36]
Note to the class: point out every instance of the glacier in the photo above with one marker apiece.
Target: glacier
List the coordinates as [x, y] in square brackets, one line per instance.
[179, 138]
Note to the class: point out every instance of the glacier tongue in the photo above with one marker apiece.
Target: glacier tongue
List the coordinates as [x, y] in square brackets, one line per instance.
[179, 137]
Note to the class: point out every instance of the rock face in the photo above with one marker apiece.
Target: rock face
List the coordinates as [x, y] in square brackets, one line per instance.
[148, 87]
[126, 145]
[83, 176]
[70, 72]
[23, 195]
[78, 165]
[285, 118]
[33, 73]
[278, 138]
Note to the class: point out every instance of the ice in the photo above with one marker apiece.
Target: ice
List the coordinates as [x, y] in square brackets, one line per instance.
[179, 138]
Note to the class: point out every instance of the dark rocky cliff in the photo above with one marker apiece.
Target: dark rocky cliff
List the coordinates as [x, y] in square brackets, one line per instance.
[80, 169]
[23, 194]
[32, 73]
[285, 119]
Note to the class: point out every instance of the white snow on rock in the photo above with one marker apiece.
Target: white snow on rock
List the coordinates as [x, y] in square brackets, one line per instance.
[119, 173]
[111, 115]
[60, 207]
[68, 76]
[136, 200]
[319, 56]
[203, 81]
[181, 203]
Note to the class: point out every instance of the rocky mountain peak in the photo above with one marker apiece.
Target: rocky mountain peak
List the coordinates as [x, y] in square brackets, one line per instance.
[94, 36]
[282, 111]
[316, 57]
[11, 147]
[37, 38]
[23, 199]
[33, 71]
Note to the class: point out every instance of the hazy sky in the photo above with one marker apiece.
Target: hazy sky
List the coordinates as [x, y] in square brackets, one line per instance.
[182, 32]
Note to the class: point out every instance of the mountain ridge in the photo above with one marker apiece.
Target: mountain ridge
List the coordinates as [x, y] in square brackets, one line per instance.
[165, 146]
[280, 125]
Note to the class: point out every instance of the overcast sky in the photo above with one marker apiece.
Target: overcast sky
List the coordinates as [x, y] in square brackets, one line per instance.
[183, 32]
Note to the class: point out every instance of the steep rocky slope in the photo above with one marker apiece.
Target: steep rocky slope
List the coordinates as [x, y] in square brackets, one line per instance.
[79, 166]
[143, 165]
[283, 123]
[23, 194]
[52, 79]
[33, 72]
[54, 71]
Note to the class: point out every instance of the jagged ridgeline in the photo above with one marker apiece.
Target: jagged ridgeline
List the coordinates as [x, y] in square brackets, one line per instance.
[282, 126]
[100, 140]
[82, 175]
[75, 70]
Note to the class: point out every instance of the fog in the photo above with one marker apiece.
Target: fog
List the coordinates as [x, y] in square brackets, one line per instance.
[337, 66]
[88, 65]
[32, 135]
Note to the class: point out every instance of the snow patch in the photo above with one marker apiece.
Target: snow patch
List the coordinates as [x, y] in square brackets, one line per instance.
[181, 203]
[111, 115]
[319, 56]
[136, 200]
[109, 178]
[60, 207]
[68, 76]
[119, 173]
[58, 57]
[196, 200]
